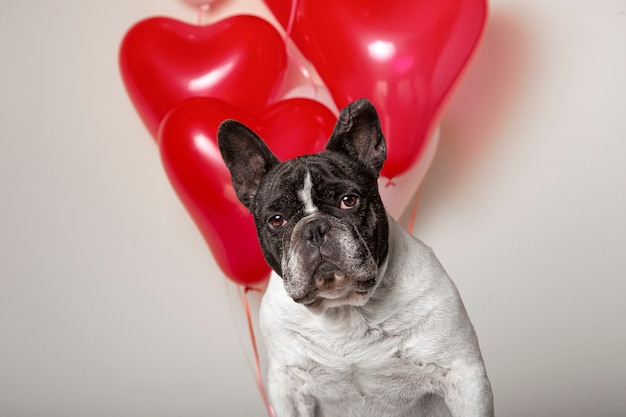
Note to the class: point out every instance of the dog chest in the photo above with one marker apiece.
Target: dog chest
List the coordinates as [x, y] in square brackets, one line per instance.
[365, 367]
[383, 384]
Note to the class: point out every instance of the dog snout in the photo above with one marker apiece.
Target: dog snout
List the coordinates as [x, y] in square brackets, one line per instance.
[329, 282]
[315, 230]
[305, 298]
[364, 285]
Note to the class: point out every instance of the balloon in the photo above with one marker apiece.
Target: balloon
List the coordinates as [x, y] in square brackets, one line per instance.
[163, 61]
[404, 55]
[398, 193]
[194, 165]
[315, 92]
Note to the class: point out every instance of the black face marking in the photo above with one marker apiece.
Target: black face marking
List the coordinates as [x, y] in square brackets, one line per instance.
[319, 218]
[344, 196]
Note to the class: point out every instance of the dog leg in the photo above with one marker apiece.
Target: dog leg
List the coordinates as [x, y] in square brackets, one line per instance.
[468, 392]
[287, 393]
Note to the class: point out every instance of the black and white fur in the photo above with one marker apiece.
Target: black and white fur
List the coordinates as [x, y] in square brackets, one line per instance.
[359, 318]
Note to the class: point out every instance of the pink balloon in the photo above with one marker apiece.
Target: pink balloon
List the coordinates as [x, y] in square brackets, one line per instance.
[404, 55]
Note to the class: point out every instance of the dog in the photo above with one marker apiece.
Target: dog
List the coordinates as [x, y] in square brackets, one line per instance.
[359, 318]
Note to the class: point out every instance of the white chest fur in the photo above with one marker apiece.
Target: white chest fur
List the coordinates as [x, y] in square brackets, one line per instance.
[399, 353]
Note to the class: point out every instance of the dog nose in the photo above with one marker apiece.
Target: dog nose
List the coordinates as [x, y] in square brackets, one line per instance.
[330, 282]
[314, 231]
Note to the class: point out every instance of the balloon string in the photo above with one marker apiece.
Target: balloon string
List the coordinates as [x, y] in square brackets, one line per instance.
[255, 350]
[292, 18]
[416, 199]
[305, 72]
[203, 9]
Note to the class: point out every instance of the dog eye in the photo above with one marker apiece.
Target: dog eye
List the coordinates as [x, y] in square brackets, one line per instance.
[349, 201]
[277, 221]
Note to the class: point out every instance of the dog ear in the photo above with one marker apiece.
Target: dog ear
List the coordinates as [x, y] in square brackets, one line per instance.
[247, 158]
[357, 135]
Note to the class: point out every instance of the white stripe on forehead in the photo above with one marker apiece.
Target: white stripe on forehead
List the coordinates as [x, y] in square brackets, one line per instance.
[306, 196]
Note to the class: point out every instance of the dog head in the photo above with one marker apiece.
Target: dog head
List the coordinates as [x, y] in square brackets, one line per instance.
[319, 218]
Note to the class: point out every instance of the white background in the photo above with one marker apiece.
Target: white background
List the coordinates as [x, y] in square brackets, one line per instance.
[112, 305]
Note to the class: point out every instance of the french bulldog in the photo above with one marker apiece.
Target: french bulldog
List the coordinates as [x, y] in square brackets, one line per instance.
[359, 318]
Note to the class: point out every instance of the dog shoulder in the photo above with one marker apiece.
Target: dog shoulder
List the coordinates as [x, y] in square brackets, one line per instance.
[413, 263]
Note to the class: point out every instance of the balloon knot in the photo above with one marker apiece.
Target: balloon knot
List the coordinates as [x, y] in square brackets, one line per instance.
[248, 289]
[390, 183]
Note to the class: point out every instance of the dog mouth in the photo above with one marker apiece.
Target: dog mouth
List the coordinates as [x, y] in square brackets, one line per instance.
[308, 300]
[336, 289]
[364, 287]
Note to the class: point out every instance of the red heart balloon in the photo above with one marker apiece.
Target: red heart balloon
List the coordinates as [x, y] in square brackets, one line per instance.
[163, 61]
[194, 165]
[403, 55]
